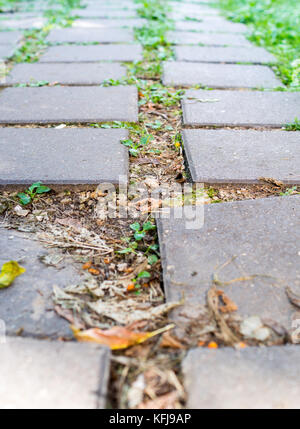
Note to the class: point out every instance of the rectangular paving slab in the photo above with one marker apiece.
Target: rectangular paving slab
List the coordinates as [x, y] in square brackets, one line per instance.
[254, 239]
[83, 35]
[255, 108]
[216, 25]
[64, 104]
[92, 53]
[242, 156]
[74, 156]
[108, 23]
[219, 75]
[6, 51]
[253, 378]
[26, 306]
[255, 55]
[102, 13]
[52, 375]
[22, 24]
[65, 74]
[10, 37]
[208, 39]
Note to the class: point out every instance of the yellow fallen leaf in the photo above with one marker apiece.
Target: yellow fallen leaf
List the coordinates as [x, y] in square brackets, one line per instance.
[117, 337]
[10, 270]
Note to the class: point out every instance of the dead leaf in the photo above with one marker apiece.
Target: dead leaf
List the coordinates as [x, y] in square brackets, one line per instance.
[20, 211]
[168, 340]
[293, 297]
[272, 181]
[165, 402]
[229, 306]
[10, 270]
[116, 338]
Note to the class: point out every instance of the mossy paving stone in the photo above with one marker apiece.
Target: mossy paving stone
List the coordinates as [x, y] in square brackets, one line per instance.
[92, 53]
[252, 378]
[68, 104]
[240, 108]
[217, 54]
[208, 39]
[242, 156]
[52, 375]
[62, 157]
[84, 35]
[65, 74]
[219, 75]
[259, 238]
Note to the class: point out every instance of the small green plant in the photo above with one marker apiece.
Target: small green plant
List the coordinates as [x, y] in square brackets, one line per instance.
[134, 147]
[141, 231]
[32, 192]
[289, 191]
[294, 126]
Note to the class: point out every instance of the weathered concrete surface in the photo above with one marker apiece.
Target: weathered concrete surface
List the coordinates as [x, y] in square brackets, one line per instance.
[22, 24]
[236, 156]
[6, 51]
[219, 75]
[208, 39]
[108, 23]
[253, 378]
[83, 35]
[10, 37]
[52, 375]
[26, 306]
[65, 74]
[258, 238]
[102, 13]
[65, 104]
[216, 25]
[92, 53]
[74, 156]
[275, 109]
[255, 55]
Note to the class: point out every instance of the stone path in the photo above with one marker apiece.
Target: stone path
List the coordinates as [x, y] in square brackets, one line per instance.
[251, 248]
[254, 242]
[51, 373]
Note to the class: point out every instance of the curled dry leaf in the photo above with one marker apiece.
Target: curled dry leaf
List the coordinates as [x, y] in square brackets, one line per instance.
[168, 340]
[164, 402]
[229, 306]
[10, 270]
[117, 337]
[293, 297]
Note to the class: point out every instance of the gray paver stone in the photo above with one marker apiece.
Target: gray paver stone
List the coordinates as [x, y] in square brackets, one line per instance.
[68, 104]
[10, 37]
[52, 375]
[65, 74]
[257, 238]
[242, 156]
[74, 156]
[252, 378]
[208, 39]
[84, 35]
[92, 53]
[255, 55]
[245, 108]
[219, 75]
